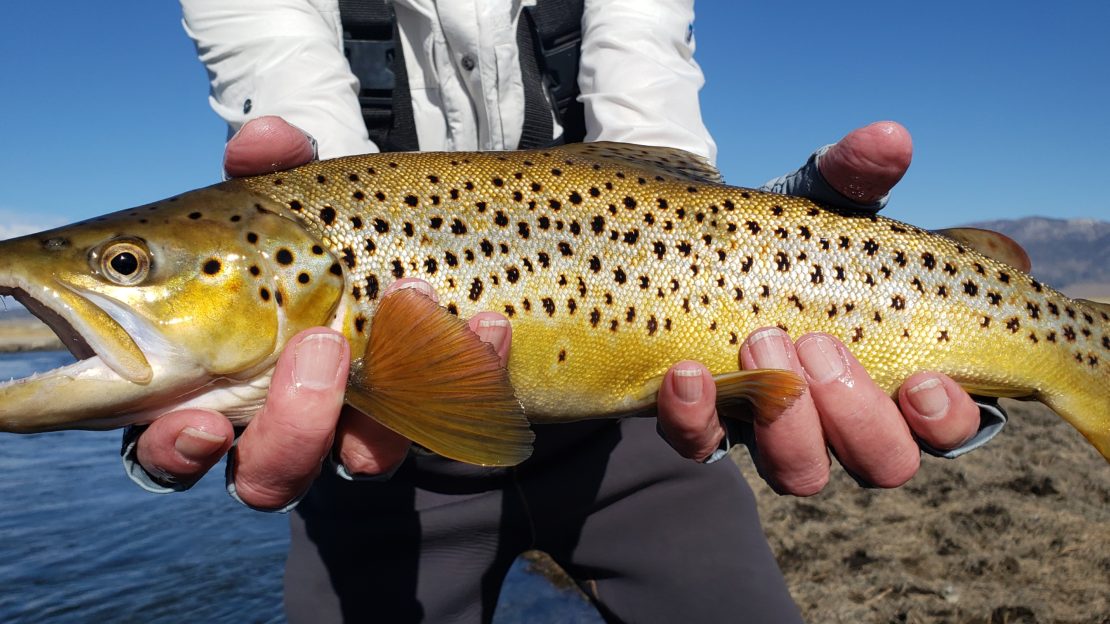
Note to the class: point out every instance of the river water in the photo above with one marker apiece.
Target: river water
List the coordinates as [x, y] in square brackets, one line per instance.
[80, 543]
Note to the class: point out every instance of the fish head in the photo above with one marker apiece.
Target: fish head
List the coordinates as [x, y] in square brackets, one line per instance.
[186, 301]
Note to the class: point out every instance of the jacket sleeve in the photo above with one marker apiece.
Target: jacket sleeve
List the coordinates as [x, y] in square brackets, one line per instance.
[637, 75]
[280, 57]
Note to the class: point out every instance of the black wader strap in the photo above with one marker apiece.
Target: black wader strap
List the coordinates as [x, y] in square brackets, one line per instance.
[373, 49]
[558, 39]
[549, 38]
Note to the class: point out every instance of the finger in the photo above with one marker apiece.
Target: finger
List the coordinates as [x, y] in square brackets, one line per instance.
[267, 144]
[364, 446]
[792, 452]
[687, 410]
[860, 421]
[280, 452]
[181, 447]
[938, 410]
[865, 164]
[494, 330]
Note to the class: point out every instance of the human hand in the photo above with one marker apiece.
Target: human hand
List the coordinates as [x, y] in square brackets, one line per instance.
[871, 435]
[279, 453]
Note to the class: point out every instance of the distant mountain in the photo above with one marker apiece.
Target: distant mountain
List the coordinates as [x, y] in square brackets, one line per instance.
[1065, 252]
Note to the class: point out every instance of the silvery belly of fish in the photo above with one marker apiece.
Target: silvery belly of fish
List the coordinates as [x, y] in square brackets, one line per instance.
[611, 262]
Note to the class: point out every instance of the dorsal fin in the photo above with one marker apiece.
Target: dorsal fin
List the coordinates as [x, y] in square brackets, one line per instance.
[991, 244]
[1097, 305]
[665, 161]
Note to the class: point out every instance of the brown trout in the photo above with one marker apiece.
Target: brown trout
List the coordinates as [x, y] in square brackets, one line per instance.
[610, 261]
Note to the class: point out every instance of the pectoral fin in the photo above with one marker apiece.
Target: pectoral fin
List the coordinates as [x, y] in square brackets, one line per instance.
[428, 377]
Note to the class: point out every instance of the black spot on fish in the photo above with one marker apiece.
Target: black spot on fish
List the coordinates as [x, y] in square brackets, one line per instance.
[1004, 277]
[500, 219]
[372, 287]
[264, 293]
[782, 263]
[381, 226]
[284, 256]
[327, 215]
[196, 215]
[776, 210]
[252, 238]
[857, 334]
[380, 196]
[898, 302]
[1033, 309]
[565, 249]
[928, 261]
[870, 247]
[753, 227]
[970, 288]
[942, 290]
[411, 200]
[255, 271]
[543, 259]
[435, 223]
[942, 336]
[619, 275]
[986, 322]
[370, 246]
[398, 269]
[548, 306]
[356, 223]
[457, 227]
[303, 278]
[360, 323]
[781, 232]
[844, 242]
[1013, 325]
[994, 298]
[359, 196]
[746, 264]
[949, 268]
[212, 266]
[523, 229]
[631, 236]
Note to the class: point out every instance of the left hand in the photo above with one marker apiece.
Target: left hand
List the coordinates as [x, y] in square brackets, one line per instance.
[871, 435]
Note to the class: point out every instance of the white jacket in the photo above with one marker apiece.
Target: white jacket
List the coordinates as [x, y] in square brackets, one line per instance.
[638, 79]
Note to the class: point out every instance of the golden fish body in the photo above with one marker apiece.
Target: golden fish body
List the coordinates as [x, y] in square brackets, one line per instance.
[612, 262]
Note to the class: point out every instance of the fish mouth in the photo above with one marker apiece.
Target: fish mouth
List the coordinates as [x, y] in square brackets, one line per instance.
[73, 341]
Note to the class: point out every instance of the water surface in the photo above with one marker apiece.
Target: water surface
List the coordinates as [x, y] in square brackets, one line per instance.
[80, 543]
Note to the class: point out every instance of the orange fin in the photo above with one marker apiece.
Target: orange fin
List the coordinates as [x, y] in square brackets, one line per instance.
[991, 244]
[428, 377]
[769, 391]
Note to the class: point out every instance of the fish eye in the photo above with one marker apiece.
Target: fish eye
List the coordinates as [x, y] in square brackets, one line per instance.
[126, 263]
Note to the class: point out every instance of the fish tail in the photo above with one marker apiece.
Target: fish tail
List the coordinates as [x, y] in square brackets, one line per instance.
[1086, 402]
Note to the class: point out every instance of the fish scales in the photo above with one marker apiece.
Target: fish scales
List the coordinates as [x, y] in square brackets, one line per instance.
[612, 262]
[611, 272]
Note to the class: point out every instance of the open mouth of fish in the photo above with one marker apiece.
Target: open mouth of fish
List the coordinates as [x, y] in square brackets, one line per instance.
[72, 339]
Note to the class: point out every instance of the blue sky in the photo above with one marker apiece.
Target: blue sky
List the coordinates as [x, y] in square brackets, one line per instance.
[103, 104]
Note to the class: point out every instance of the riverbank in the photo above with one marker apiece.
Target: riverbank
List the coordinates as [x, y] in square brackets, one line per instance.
[20, 331]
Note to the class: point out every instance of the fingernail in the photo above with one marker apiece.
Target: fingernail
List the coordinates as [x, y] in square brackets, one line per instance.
[770, 348]
[417, 285]
[493, 332]
[687, 384]
[929, 398]
[315, 361]
[196, 445]
[821, 359]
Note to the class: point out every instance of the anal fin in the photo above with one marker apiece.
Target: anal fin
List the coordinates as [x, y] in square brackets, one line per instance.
[770, 391]
[428, 377]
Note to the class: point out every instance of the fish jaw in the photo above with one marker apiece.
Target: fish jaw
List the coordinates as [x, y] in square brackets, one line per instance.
[225, 281]
[113, 375]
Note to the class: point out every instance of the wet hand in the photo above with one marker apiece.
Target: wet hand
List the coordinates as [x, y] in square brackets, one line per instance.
[843, 408]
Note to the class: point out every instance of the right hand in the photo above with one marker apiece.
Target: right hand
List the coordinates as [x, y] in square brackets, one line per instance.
[279, 453]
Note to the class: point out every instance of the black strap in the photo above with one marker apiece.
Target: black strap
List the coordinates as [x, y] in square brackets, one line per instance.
[558, 25]
[549, 38]
[373, 48]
